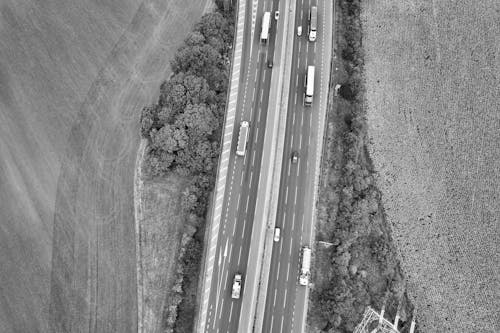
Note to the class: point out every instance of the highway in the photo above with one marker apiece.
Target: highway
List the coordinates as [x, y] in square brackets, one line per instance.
[243, 173]
[286, 300]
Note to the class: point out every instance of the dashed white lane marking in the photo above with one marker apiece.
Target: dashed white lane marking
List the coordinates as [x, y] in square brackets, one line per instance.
[239, 255]
[244, 224]
[286, 194]
[274, 302]
[231, 311]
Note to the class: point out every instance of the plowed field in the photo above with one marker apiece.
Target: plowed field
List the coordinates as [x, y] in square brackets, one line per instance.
[73, 77]
[432, 75]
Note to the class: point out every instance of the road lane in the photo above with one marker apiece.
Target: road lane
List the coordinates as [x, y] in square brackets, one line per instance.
[223, 313]
[297, 181]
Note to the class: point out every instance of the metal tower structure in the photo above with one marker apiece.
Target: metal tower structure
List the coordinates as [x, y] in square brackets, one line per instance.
[374, 322]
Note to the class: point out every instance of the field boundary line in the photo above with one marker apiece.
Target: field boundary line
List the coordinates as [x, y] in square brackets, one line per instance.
[138, 215]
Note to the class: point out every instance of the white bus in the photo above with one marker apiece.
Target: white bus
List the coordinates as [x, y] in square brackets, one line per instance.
[243, 138]
[313, 22]
[266, 22]
[305, 268]
[308, 96]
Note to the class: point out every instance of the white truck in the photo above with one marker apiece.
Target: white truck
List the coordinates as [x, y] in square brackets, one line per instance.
[305, 266]
[313, 22]
[243, 138]
[266, 23]
[236, 286]
[308, 96]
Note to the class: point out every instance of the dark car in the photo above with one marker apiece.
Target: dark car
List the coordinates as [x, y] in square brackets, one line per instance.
[270, 63]
[295, 157]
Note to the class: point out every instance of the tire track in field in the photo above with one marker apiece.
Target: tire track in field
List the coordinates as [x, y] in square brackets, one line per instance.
[93, 278]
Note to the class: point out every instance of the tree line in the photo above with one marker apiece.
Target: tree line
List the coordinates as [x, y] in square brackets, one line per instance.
[183, 129]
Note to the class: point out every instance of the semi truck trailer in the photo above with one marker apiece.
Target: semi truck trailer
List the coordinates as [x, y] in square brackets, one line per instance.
[305, 267]
[266, 22]
[308, 96]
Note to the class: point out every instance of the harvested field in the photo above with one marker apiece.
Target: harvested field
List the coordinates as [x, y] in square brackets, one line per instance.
[434, 123]
[73, 76]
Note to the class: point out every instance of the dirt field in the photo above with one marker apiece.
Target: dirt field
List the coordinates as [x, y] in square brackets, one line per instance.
[434, 122]
[73, 76]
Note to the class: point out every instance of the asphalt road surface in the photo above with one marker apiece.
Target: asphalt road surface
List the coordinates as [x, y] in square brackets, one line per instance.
[243, 174]
[286, 300]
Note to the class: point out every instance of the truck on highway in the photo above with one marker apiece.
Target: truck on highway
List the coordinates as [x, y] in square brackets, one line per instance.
[242, 138]
[313, 22]
[305, 266]
[308, 96]
[236, 286]
[266, 22]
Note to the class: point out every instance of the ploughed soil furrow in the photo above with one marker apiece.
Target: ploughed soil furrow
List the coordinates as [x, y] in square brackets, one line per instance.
[433, 113]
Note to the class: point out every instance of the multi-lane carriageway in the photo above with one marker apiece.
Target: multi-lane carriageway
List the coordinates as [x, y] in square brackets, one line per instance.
[286, 301]
[243, 174]
[286, 304]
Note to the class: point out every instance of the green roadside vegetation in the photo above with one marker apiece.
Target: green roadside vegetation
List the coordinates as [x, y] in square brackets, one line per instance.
[356, 264]
[183, 130]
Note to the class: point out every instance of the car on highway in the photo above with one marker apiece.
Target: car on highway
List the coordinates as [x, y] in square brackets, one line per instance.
[299, 30]
[277, 15]
[235, 293]
[270, 63]
[277, 233]
[295, 157]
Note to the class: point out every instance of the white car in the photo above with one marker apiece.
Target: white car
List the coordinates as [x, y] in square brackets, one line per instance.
[277, 233]
[236, 286]
[299, 30]
[277, 15]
